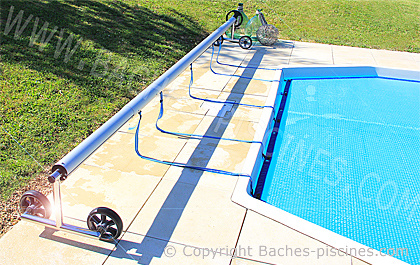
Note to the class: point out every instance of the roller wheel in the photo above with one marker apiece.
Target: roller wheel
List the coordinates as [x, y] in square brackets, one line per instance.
[238, 15]
[107, 222]
[35, 203]
[219, 41]
[245, 42]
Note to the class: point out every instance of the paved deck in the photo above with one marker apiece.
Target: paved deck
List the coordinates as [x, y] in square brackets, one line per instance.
[173, 215]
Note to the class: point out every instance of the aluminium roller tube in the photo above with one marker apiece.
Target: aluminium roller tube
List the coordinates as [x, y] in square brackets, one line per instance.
[73, 159]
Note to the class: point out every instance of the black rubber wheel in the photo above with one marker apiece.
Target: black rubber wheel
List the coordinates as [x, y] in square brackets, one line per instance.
[239, 17]
[219, 41]
[245, 42]
[107, 222]
[35, 203]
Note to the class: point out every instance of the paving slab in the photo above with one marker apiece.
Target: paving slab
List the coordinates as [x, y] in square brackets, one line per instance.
[271, 242]
[241, 261]
[311, 54]
[192, 215]
[394, 59]
[258, 100]
[222, 155]
[253, 87]
[179, 100]
[118, 153]
[416, 57]
[355, 261]
[138, 249]
[29, 243]
[261, 78]
[343, 55]
[240, 128]
[92, 187]
[199, 178]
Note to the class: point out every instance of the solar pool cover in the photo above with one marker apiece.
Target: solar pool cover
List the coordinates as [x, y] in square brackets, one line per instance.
[347, 158]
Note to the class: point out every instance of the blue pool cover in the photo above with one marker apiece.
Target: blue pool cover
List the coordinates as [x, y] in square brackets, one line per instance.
[348, 159]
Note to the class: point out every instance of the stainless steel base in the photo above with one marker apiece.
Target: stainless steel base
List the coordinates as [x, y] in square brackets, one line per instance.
[65, 227]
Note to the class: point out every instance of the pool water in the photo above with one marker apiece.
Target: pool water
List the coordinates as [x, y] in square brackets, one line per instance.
[348, 159]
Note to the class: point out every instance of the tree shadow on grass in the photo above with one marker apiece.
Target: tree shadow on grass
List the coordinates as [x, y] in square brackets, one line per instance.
[53, 96]
[119, 42]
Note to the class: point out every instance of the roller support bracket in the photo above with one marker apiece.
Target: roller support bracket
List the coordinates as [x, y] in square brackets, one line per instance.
[57, 173]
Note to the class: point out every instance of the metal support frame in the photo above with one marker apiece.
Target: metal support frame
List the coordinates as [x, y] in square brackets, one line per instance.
[232, 34]
[52, 224]
[57, 204]
[55, 179]
[73, 159]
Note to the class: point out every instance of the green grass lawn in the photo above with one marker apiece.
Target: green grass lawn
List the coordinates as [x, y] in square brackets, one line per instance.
[54, 95]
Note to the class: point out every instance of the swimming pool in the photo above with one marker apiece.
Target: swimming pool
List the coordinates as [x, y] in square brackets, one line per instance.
[346, 156]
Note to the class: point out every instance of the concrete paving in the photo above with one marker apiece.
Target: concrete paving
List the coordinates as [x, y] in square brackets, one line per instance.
[175, 215]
